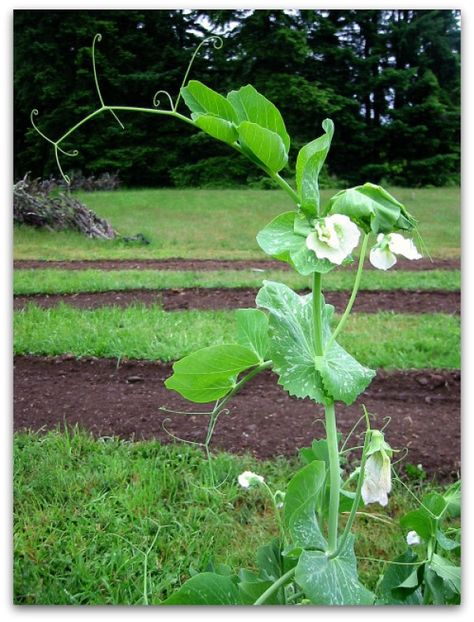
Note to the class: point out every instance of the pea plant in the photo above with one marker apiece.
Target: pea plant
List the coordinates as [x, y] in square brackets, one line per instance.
[296, 336]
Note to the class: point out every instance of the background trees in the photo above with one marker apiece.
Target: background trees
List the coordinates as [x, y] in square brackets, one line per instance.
[390, 79]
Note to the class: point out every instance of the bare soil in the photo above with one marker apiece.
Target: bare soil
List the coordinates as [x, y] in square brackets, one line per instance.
[403, 301]
[125, 401]
[212, 264]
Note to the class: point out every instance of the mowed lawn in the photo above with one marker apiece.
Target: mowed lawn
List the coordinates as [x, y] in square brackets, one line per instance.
[198, 223]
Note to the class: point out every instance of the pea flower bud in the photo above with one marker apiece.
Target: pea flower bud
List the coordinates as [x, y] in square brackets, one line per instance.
[377, 474]
[383, 254]
[334, 238]
[247, 479]
[413, 538]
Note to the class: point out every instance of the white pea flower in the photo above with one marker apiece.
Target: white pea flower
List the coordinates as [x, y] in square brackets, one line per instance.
[334, 238]
[247, 479]
[413, 538]
[377, 473]
[383, 254]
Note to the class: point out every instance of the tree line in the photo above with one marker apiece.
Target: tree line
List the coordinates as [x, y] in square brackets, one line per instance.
[390, 80]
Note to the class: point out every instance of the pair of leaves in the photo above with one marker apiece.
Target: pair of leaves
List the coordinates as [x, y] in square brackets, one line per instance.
[424, 519]
[245, 117]
[210, 373]
[212, 588]
[372, 208]
[335, 581]
[334, 376]
[284, 238]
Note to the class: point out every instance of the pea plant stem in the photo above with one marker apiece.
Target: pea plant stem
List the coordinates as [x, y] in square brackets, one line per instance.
[317, 315]
[356, 501]
[334, 477]
[355, 289]
[275, 586]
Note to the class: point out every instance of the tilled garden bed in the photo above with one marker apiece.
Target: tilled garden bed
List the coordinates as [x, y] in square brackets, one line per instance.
[402, 301]
[124, 400]
[212, 264]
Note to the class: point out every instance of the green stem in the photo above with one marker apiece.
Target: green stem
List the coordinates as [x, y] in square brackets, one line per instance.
[356, 501]
[277, 514]
[275, 586]
[334, 477]
[355, 289]
[89, 117]
[317, 314]
[169, 113]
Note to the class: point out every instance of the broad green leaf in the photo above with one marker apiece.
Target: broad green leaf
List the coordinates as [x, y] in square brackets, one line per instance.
[216, 127]
[448, 572]
[209, 374]
[453, 498]
[281, 239]
[436, 585]
[250, 105]
[201, 99]
[395, 576]
[300, 504]
[278, 239]
[266, 145]
[448, 544]
[372, 208]
[334, 376]
[251, 590]
[292, 347]
[252, 331]
[269, 560]
[332, 581]
[419, 521]
[206, 589]
[435, 503]
[344, 378]
[309, 163]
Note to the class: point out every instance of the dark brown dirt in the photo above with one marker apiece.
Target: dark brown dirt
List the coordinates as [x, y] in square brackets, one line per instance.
[424, 407]
[404, 301]
[212, 264]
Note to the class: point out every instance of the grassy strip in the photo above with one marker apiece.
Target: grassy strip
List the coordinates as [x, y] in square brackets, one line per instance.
[50, 281]
[380, 340]
[87, 510]
[215, 223]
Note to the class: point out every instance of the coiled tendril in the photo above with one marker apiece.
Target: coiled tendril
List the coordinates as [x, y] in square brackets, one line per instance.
[217, 44]
[98, 37]
[57, 148]
[156, 101]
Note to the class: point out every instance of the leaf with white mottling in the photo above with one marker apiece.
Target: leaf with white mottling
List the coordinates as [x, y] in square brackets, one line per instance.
[334, 376]
[332, 581]
[292, 347]
[300, 503]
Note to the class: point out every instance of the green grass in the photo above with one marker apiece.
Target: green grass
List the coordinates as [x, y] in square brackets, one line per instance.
[52, 281]
[216, 223]
[86, 511]
[379, 340]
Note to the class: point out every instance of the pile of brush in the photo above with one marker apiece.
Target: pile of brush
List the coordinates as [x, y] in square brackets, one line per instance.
[34, 204]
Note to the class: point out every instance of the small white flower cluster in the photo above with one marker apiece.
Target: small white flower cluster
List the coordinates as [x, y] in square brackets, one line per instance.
[335, 237]
[247, 479]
